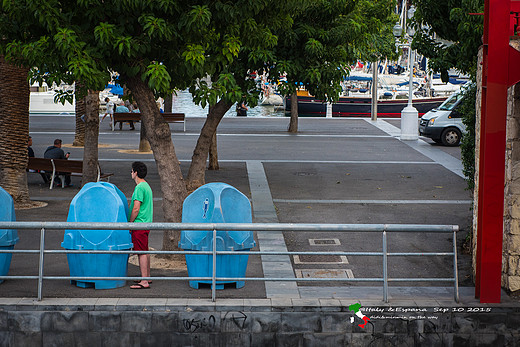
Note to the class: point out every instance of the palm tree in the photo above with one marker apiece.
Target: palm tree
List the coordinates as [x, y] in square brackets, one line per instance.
[79, 135]
[14, 132]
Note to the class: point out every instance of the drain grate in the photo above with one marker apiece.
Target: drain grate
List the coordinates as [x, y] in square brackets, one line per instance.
[324, 273]
[320, 259]
[324, 242]
[302, 173]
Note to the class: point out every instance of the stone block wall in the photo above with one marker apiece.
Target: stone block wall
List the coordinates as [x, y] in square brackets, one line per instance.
[478, 105]
[257, 325]
[511, 241]
[511, 235]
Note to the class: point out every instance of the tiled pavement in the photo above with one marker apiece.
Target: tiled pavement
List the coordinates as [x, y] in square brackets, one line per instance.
[278, 293]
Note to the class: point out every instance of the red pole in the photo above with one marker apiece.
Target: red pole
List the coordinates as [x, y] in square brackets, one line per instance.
[492, 150]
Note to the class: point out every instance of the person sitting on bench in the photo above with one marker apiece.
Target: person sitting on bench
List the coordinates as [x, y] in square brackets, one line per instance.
[30, 153]
[123, 109]
[55, 152]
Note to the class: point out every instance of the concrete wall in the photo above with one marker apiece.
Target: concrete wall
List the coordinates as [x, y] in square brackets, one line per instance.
[253, 323]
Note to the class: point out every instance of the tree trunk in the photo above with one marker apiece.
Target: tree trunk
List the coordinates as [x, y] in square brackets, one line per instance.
[80, 108]
[90, 153]
[293, 123]
[168, 103]
[170, 175]
[144, 145]
[14, 132]
[197, 169]
[213, 153]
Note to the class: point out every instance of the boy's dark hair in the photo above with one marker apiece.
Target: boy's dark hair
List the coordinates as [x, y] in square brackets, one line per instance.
[140, 168]
[57, 142]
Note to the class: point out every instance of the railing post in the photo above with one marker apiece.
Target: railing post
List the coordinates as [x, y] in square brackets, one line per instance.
[40, 267]
[385, 267]
[214, 272]
[455, 266]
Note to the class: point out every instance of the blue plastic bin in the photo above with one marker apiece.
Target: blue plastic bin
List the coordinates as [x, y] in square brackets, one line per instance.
[8, 237]
[98, 202]
[216, 203]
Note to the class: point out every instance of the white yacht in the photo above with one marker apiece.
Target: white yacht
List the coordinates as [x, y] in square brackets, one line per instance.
[42, 101]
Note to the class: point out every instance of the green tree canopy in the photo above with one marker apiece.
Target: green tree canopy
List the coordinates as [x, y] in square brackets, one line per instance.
[449, 33]
[326, 38]
[156, 46]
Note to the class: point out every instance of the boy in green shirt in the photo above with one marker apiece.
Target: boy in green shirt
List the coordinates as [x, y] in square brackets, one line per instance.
[141, 211]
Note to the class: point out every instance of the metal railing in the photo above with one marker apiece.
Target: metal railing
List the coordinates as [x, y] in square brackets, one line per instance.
[214, 227]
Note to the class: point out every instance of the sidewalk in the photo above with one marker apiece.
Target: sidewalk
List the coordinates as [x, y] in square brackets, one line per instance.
[332, 171]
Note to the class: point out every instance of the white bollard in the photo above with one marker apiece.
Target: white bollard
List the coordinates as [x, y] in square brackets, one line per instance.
[409, 124]
[329, 110]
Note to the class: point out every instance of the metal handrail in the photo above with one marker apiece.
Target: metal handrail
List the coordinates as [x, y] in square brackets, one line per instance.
[383, 228]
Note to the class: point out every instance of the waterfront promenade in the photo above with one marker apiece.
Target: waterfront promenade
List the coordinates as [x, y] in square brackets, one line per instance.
[332, 171]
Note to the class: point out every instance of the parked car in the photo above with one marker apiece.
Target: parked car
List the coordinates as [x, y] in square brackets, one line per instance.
[444, 123]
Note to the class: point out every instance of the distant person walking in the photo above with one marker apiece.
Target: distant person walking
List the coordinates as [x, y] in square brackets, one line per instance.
[141, 211]
[55, 152]
[110, 110]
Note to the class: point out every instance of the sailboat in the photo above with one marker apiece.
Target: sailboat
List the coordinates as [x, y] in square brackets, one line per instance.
[392, 97]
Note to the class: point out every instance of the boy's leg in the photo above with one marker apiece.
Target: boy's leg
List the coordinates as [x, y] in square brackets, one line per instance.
[147, 258]
[144, 266]
[140, 241]
[148, 261]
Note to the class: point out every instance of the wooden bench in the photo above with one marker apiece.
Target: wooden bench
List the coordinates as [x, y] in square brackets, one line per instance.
[136, 117]
[56, 167]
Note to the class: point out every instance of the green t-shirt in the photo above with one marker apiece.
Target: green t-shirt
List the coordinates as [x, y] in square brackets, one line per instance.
[143, 193]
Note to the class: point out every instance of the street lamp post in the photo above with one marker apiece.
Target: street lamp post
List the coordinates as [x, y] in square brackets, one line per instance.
[409, 115]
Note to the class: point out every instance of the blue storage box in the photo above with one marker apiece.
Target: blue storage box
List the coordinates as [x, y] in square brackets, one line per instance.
[8, 237]
[216, 203]
[98, 202]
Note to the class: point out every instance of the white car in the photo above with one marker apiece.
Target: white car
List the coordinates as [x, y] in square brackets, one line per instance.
[444, 123]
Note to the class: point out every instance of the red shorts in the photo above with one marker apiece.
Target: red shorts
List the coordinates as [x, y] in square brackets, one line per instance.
[140, 240]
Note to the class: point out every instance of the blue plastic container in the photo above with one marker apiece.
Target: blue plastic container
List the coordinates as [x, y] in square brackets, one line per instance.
[216, 203]
[8, 237]
[98, 202]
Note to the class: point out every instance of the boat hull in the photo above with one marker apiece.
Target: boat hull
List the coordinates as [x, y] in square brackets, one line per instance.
[43, 102]
[361, 107]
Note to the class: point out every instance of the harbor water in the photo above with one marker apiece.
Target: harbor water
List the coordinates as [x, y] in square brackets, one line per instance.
[183, 103]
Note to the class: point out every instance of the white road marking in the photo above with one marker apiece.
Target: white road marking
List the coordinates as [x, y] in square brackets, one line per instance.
[427, 202]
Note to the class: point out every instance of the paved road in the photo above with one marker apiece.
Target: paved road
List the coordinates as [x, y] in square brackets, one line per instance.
[332, 171]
